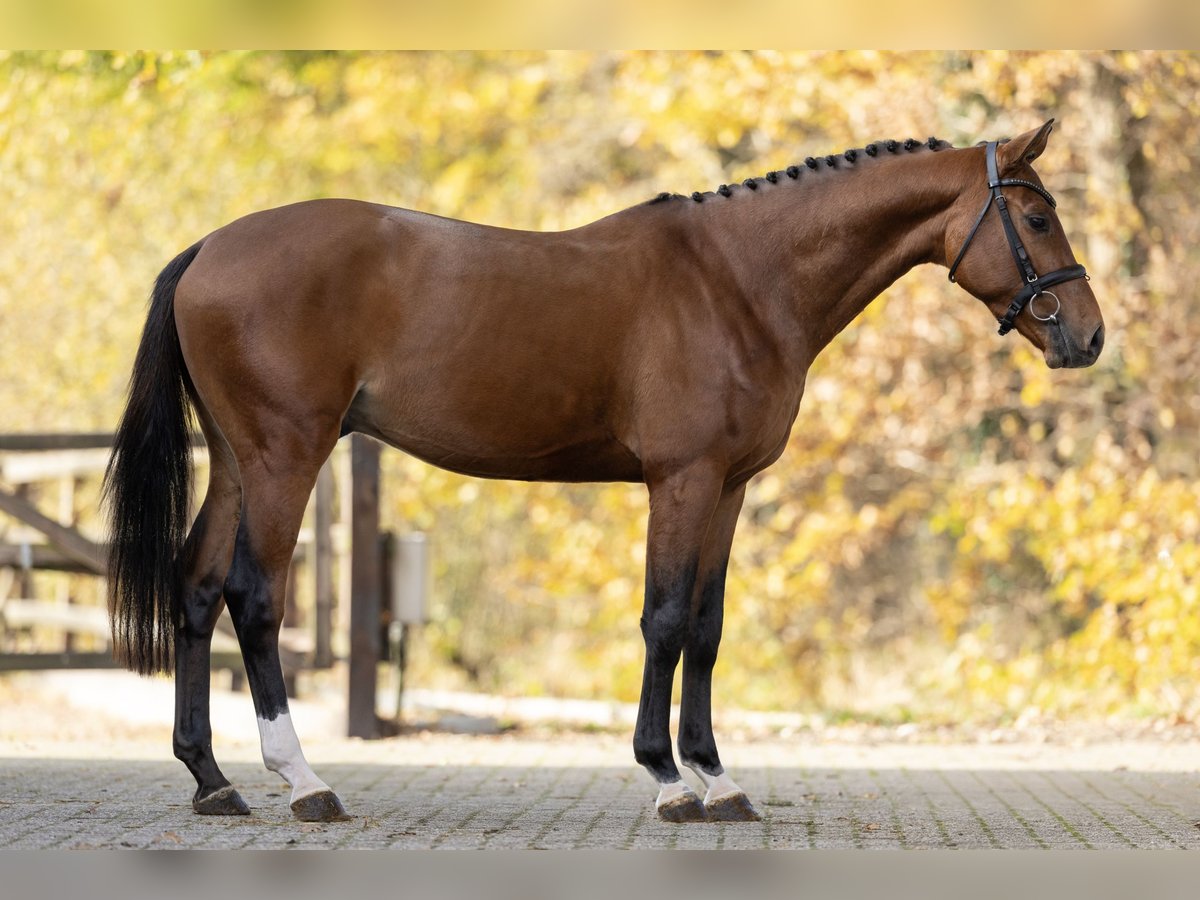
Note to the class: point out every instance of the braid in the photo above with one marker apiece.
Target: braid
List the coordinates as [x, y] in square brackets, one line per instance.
[793, 172]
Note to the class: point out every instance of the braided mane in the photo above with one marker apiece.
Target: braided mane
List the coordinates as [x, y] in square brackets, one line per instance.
[814, 163]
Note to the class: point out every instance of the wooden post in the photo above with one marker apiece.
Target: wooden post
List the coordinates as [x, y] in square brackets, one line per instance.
[293, 617]
[25, 580]
[345, 481]
[366, 592]
[67, 515]
[323, 567]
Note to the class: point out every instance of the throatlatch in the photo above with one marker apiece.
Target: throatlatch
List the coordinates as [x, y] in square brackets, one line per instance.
[1035, 285]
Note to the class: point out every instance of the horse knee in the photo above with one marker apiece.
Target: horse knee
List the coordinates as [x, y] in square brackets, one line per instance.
[665, 632]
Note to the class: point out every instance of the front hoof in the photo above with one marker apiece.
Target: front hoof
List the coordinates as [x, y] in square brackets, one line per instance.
[732, 808]
[678, 803]
[323, 806]
[224, 801]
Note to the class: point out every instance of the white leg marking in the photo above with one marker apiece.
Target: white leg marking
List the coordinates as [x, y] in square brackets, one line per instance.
[719, 786]
[669, 792]
[281, 753]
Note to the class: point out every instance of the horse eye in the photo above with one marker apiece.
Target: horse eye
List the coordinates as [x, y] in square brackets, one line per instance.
[1038, 223]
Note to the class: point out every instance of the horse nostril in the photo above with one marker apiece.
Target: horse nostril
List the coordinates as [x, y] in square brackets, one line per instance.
[1097, 341]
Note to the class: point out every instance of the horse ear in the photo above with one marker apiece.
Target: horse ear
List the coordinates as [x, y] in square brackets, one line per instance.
[1024, 148]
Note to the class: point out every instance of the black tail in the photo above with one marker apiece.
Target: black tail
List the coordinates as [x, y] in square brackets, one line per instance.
[148, 488]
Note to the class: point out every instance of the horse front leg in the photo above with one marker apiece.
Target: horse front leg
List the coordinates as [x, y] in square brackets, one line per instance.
[724, 801]
[681, 507]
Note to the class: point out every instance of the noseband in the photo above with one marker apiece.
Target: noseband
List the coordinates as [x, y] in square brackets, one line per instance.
[1035, 285]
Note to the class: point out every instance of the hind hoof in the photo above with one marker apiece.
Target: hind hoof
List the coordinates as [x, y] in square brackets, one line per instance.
[224, 801]
[323, 806]
[732, 808]
[680, 805]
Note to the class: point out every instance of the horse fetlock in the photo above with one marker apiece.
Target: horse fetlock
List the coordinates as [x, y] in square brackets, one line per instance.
[706, 766]
[188, 749]
[655, 755]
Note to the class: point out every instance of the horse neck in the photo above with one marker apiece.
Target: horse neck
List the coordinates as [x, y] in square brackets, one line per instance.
[815, 253]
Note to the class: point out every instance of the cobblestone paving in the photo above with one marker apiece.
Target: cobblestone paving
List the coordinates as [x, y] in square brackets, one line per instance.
[476, 792]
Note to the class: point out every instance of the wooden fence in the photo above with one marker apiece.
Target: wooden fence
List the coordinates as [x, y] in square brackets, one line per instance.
[45, 542]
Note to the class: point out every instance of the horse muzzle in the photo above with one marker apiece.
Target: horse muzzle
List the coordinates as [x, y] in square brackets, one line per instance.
[1064, 352]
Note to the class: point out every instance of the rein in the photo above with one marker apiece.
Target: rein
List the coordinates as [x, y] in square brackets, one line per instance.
[1035, 285]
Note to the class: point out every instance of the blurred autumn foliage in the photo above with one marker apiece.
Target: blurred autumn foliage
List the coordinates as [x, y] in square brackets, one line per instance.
[954, 530]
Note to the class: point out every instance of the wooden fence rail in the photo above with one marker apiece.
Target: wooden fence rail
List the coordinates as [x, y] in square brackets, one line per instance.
[67, 550]
[86, 440]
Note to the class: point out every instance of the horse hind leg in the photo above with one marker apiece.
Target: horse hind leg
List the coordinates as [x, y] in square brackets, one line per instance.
[275, 493]
[206, 555]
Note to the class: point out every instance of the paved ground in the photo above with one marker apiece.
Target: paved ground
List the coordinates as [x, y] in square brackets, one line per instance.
[85, 761]
[574, 791]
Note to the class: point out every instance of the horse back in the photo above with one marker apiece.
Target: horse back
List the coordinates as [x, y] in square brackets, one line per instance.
[491, 351]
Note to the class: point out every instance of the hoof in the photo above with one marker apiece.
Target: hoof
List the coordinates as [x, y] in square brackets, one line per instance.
[323, 806]
[732, 808]
[686, 807]
[224, 801]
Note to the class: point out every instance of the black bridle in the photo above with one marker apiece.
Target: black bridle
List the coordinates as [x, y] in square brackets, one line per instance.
[1035, 285]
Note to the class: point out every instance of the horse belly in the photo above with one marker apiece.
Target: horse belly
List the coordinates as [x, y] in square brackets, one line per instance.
[488, 437]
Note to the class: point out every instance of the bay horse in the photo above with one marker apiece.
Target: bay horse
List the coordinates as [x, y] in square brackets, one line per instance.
[666, 344]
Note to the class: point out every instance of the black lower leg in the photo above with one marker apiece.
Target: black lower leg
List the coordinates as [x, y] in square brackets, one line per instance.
[697, 746]
[193, 728]
[664, 628]
[248, 591]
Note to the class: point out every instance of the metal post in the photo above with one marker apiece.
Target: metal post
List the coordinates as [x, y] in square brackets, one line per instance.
[366, 587]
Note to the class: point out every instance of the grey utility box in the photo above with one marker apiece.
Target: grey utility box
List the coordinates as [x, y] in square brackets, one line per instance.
[410, 577]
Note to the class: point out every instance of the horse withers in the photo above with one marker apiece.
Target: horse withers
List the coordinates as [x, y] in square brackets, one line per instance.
[667, 344]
